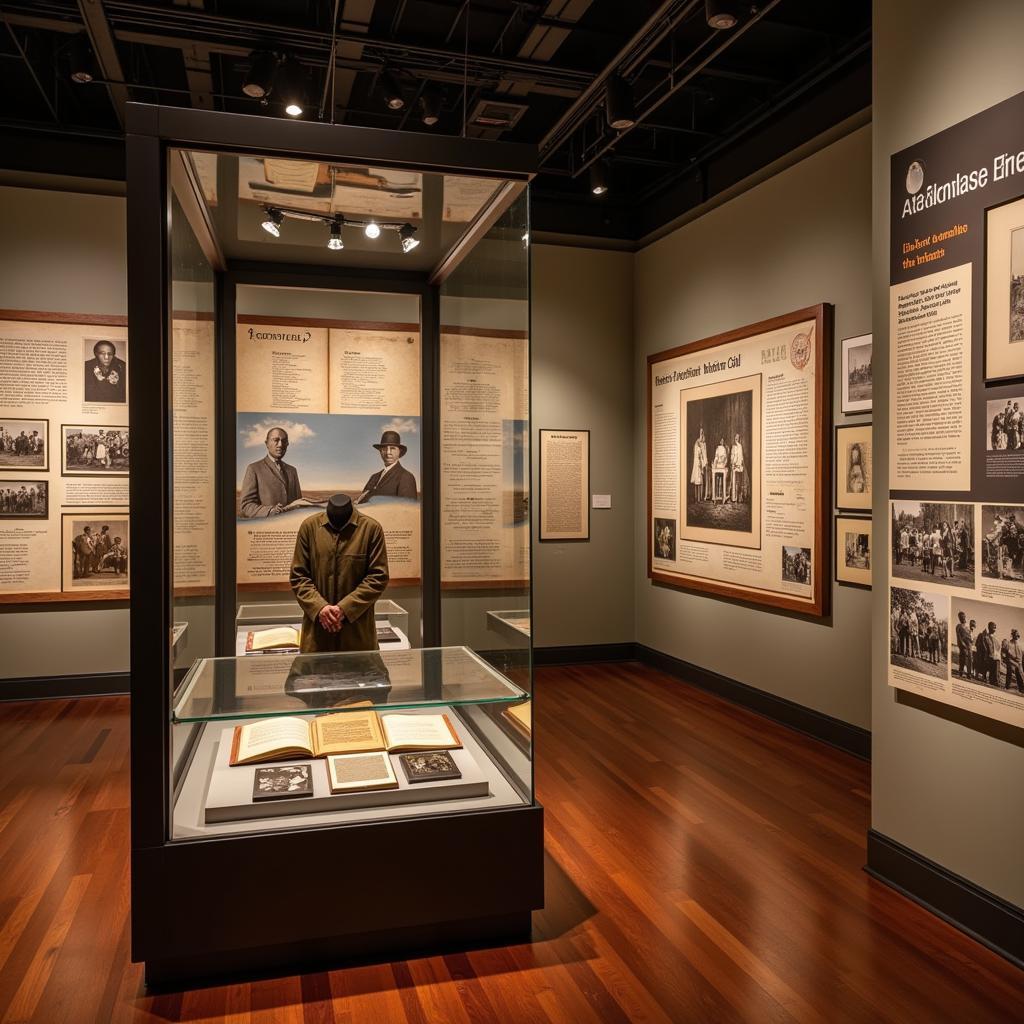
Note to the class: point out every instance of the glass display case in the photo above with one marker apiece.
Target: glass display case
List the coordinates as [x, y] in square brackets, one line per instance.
[331, 422]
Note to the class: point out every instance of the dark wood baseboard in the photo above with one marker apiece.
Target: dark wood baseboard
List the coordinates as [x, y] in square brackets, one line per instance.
[851, 738]
[54, 687]
[983, 916]
[583, 654]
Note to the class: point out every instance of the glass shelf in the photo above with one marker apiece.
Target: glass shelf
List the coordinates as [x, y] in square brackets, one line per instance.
[262, 685]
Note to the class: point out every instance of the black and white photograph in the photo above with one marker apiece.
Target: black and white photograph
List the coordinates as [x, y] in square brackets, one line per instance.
[96, 549]
[1004, 424]
[105, 373]
[1016, 310]
[919, 631]
[1004, 291]
[853, 550]
[92, 450]
[24, 499]
[24, 444]
[429, 766]
[721, 462]
[933, 542]
[853, 467]
[665, 539]
[796, 565]
[988, 644]
[856, 375]
[1002, 542]
[280, 782]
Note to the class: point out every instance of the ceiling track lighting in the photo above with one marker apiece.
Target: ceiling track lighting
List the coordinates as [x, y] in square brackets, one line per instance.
[599, 178]
[371, 229]
[272, 223]
[83, 66]
[274, 217]
[407, 234]
[259, 82]
[290, 85]
[394, 98]
[335, 242]
[720, 14]
[618, 100]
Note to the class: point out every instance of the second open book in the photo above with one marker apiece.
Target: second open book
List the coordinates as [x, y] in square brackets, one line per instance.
[349, 732]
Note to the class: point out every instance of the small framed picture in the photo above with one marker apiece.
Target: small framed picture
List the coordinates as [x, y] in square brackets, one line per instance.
[564, 485]
[24, 445]
[95, 547]
[91, 450]
[1004, 292]
[853, 468]
[24, 499]
[105, 371]
[853, 551]
[856, 374]
[282, 782]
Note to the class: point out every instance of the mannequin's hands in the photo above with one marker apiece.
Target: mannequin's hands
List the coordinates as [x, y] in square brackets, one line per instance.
[331, 618]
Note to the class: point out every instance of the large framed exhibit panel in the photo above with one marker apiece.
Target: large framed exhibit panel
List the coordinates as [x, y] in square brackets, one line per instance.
[303, 700]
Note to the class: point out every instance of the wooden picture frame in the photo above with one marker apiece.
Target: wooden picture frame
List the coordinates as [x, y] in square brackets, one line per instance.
[548, 438]
[853, 441]
[1004, 292]
[855, 389]
[795, 350]
[847, 572]
[17, 505]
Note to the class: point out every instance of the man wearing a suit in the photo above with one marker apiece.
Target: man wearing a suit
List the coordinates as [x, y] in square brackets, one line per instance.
[394, 480]
[106, 376]
[270, 484]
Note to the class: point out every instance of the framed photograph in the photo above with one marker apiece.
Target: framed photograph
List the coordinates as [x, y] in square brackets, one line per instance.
[728, 417]
[564, 485]
[1002, 544]
[105, 370]
[919, 632]
[1004, 425]
[93, 450]
[282, 782]
[932, 543]
[24, 499]
[95, 546]
[24, 444]
[853, 551]
[855, 373]
[429, 766]
[853, 468]
[1004, 291]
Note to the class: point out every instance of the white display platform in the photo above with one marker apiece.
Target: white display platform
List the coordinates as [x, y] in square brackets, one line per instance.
[513, 624]
[229, 796]
[242, 634]
[189, 816]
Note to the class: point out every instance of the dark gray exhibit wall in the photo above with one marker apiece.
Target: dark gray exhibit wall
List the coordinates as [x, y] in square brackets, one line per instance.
[945, 784]
[797, 239]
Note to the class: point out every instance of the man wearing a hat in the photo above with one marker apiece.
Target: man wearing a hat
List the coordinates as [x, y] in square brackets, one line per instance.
[989, 655]
[394, 480]
[1012, 660]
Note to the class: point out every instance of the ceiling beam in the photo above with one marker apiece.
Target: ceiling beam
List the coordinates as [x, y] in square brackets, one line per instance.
[102, 40]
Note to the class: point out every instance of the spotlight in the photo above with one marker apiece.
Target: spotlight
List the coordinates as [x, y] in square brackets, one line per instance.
[372, 229]
[335, 242]
[82, 64]
[392, 91]
[259, 83]
[720, 14]
[430, 101]
[618, 99]
[272, 225]
[599, 178]
[407, 233]
[290, 85]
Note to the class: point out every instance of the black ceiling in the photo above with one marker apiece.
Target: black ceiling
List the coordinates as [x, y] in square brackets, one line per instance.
[713, 106]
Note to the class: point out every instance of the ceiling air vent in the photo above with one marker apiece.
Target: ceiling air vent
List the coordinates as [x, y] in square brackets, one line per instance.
[496, 116]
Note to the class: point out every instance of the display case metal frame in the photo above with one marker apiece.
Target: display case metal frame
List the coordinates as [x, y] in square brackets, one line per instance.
[306, 897]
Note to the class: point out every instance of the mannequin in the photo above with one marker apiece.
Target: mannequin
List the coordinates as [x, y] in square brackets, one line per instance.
[339, 510]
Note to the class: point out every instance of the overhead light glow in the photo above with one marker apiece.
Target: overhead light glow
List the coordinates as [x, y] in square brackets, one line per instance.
[719, 14]
[272, 224]
[335, 242]
[619, 109]
[82, 64]
[430, 101]
[393, 96]
[407, 233]
[599, 178]
[290, 85]
[372, 229]
[259, 82]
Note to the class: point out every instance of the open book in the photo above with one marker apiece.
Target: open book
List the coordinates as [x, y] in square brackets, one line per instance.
[348, 732]
[277, 639]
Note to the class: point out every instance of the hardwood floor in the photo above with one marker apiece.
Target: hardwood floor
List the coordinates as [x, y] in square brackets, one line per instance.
[703, 865]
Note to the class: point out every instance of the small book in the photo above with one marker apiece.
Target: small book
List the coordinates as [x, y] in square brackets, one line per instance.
[346, 732]
[281, 638]
[385, 634]
[520, 718]
[348, 772]
[429, 766]
[282, 783]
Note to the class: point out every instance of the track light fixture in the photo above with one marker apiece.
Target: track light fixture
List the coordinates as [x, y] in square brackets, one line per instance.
[290, 85]
[82, 64]
[371, 229]
[407, 233]
[335, 242]
[259, 82]
[599, 178]
[618, 100]
[720, 14]
[272, 223]
[430, 102]
[393, 96]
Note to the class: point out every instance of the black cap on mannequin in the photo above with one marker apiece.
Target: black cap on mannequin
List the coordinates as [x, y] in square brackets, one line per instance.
[339, 510]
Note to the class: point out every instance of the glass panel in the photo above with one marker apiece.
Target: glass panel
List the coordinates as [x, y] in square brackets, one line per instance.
[275, 684]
